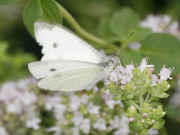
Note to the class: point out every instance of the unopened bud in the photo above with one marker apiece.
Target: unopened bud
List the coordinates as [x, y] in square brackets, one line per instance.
[133, 108]
[145, 115]
[142, 121]
[131, 119]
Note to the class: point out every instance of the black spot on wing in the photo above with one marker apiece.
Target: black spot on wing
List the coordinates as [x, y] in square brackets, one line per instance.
[55, 45]
[52, 69]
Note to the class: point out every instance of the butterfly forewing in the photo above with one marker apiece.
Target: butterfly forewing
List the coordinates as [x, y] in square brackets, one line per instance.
[60, 43]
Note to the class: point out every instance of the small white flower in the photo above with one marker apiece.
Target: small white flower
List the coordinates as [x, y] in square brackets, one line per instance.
[110, 103]
[85, 126]
[77, 119]
[31, 111]
[75, 102]
[122, 131]
[8, 92]
[16, 96]
[15, 107]
[52, 101]
[121, 125]
[28, 98]
[144, 65]
[126, 74]
[57, 129]
[100, 124]
[107, 95]
[134, 46]
[3, 131]
[156, 23]
[153, 132]
[25, 83]
[33, 123]
[174, 29]
[131, 119]
[59, 112]
[155, 79]
[95, 89]
[75, 131]
[84, 99]
[114, 76]
[161, 23]
[115, 123]
[93, 109]
[165, 74]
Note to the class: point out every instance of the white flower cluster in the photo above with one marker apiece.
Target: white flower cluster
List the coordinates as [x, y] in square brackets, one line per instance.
[117, 73]
[161, 23]
[153, 132]
[76, 113]
[86, 114]
[122, 75]
[121, 125]
[17, 100]
[3, 131]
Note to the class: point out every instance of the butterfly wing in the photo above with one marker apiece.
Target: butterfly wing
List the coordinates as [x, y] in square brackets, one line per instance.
[66, 75]
[41, 69]
[78, 79]
[60, 43]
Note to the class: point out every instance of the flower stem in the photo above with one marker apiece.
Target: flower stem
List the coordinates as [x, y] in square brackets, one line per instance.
[83, 33]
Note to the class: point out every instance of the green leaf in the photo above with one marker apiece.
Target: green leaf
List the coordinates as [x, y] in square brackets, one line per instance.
[105, 32]
[46, 10]
[7, 1]
[124, 23]
[134, 33]
[32, 13]
[51, 11]
[162, 49]
[140, 34]
[128, 56]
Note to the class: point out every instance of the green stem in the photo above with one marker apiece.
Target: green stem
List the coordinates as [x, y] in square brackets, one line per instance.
[125, 43]
[84, 34]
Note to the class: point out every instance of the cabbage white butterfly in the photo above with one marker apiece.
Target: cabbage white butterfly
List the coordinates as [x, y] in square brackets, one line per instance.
[68, 63]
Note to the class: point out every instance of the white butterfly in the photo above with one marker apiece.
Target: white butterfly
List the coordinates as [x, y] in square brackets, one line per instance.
[68, 63]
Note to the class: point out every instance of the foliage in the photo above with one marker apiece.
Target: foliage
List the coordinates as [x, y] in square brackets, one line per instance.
[7, 1]
[157, 46]
[13, 66]
[38, 10]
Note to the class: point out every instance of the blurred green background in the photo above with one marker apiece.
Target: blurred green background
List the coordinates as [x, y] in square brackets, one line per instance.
[17, 46]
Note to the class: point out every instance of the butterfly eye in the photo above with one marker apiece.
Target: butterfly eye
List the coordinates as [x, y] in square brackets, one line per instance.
[55, 45]
[52, 69]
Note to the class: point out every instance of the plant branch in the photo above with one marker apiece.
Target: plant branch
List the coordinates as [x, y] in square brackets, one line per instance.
[83, 33]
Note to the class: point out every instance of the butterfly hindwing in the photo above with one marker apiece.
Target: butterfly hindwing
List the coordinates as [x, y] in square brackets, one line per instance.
[41, 69]
[73, 80]
[66, 75]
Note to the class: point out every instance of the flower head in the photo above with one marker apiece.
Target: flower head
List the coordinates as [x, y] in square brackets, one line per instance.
[165, 73]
